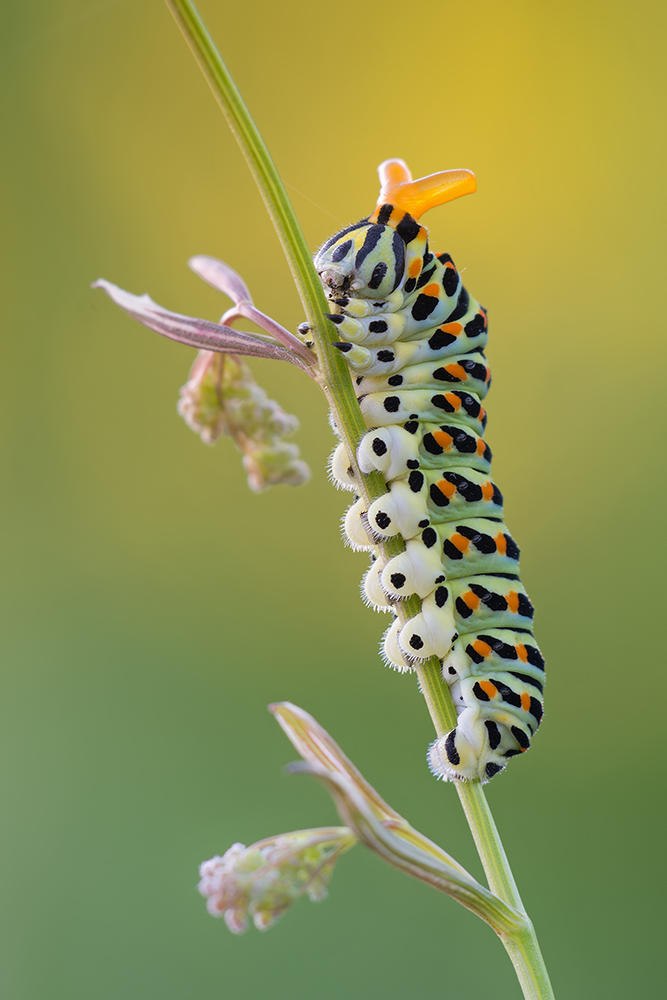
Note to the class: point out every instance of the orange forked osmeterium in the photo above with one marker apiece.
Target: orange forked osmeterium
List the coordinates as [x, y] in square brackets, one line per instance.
[416, 197]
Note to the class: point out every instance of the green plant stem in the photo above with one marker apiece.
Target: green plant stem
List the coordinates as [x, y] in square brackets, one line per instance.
[336, 382]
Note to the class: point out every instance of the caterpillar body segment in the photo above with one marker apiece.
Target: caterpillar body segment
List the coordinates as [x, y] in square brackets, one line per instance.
[393, 450]
[442, 345]
[447, 551]
[431, 405]
[447, 494]
[466, 370]
[414, 340]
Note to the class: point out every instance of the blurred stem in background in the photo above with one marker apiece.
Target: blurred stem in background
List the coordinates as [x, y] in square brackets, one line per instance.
[521, 946]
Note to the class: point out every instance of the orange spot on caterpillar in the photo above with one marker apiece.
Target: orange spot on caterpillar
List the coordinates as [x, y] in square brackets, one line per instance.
[521, 651]
[501, 543]
[453, 328]
[433, 289]
[483, 649]
[457, 371]
[450, 263]
[480, 312]
[487, 490]
[488, 687]
[453, 400]
[513, 604]
[525, 701]
[447, 488]
[461, 543]
[443, 439]
[414, 270]
[481, 447]
[472, 600]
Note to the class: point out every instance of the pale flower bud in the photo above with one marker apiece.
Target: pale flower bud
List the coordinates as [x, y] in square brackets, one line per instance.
[262, 881]
[222, 397]
[200, 402]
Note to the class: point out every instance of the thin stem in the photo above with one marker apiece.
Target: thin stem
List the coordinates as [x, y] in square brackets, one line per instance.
[334, 370]
[335, 380]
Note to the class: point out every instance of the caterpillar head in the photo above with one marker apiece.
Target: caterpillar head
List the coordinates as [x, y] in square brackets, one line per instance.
[366, 260]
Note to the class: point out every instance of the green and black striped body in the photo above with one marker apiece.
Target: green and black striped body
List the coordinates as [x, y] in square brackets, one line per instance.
[414, 340]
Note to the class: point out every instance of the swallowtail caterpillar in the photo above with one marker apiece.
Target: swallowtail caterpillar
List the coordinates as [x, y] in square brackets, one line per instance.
[414, 340]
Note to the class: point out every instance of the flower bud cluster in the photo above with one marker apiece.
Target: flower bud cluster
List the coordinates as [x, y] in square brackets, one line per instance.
[222, 397]
[262, 881]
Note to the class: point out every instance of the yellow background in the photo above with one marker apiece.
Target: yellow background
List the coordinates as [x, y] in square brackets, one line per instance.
[153, 606]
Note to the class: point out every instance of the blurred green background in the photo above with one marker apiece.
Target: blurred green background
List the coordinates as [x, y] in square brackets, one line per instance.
[153, 606]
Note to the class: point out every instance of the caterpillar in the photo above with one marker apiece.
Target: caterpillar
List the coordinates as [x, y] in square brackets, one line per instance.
[414, 340]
